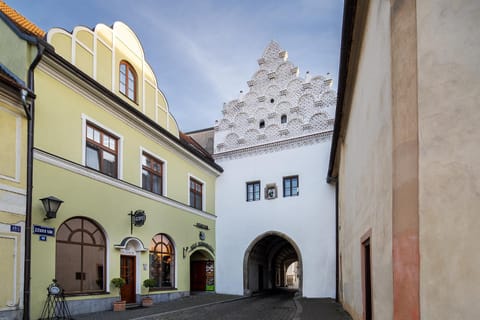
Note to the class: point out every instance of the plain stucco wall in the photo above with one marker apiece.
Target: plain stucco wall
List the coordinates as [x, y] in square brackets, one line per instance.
[449, 121]
[309, 219]
[365, 174]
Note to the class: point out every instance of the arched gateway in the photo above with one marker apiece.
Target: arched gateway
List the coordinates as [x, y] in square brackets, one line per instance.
[266, 261]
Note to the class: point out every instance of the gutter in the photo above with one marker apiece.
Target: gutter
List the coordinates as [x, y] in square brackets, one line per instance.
[347, 36]
[348, 24]
[30, 111]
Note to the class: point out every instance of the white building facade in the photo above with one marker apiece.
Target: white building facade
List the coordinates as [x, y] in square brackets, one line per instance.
[273, 205]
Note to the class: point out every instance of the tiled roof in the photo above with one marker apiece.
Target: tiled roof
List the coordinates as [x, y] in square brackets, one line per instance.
[23, 23]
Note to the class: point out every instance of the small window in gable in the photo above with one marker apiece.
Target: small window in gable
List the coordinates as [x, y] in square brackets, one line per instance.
[128, 81]
[283, 119]
[261, 125]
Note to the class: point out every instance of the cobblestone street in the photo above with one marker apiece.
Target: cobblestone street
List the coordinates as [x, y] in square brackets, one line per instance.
[278, 306]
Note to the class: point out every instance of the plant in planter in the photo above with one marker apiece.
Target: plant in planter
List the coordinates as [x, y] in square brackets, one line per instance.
[120, 304]
[148, 283]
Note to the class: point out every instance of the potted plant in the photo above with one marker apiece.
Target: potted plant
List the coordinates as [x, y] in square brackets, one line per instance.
[120, 304]
[148, 283]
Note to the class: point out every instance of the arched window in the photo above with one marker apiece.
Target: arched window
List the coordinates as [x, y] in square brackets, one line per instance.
[283, 118]
[80, 256]
[128, 80]
[162, 261]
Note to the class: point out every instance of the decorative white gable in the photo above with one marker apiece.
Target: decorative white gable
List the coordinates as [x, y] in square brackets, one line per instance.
[279, 105]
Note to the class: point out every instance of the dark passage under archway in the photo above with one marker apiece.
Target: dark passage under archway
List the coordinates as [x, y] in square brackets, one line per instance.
[266, 262]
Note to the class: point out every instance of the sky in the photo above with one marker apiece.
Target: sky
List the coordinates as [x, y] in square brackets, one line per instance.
[204, 51]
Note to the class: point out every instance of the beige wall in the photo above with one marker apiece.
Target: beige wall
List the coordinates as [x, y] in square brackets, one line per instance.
[365, 174]
[449, 132]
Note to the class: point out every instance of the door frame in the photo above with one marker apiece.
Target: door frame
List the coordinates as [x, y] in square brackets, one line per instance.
[133, 289]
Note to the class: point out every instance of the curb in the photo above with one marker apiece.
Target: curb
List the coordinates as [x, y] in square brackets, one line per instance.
[299, 308]
[152, 316]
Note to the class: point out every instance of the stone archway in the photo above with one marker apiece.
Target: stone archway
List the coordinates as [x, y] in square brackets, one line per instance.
[266, 260]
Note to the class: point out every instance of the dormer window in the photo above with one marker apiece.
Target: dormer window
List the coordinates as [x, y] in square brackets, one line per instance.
[128, 80]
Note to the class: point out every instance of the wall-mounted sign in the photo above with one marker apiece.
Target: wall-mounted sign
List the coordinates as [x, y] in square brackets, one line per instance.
[14, 228]
[137, 219]
[201, 235]
[201, 226]
[47, 231]
[42, 238]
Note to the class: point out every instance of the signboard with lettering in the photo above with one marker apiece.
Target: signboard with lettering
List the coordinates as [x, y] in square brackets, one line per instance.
[14, 228]
[42, 230]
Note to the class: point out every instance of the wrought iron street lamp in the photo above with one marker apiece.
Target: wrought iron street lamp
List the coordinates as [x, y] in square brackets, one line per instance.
[51, 205]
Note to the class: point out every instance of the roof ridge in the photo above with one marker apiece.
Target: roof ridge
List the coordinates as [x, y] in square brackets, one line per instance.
[20, 21]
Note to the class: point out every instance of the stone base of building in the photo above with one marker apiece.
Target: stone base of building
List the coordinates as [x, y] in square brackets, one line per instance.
[11, 314]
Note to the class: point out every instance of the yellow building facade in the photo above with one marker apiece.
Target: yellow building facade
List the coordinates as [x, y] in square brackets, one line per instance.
[138, 196]
[15, 101]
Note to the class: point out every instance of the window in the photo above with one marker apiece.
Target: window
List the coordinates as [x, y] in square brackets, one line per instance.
[152, 174]
[128, 79]
[196, 194]
[283, 118]
[290, 186]
[261, 125]
[101, 151]
[162, 261]
[80, 256]
[253, 191]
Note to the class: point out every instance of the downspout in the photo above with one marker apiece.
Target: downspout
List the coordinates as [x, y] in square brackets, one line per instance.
[337, 249]
[28, 214]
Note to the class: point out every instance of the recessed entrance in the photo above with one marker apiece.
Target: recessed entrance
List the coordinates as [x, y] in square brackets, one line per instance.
[127, 272]
[202, 271]
[267, 261]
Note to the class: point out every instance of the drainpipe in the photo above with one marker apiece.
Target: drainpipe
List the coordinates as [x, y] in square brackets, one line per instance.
[28, 214]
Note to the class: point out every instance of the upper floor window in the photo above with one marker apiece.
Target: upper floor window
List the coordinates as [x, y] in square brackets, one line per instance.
[261, 124]
[101, 151]
[196, 194]
[283, 118]
[128, 80]
[253, 191]
[290, 186]
[152, 174]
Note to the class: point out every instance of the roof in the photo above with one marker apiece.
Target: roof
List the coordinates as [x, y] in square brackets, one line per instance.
[192, 142]
[20, 21]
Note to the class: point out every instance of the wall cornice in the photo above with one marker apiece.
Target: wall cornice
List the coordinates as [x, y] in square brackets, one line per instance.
[53, 160]
[275, 146]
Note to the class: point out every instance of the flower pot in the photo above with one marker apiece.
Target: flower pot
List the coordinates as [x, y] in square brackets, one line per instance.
[147, 302]
[119, 305]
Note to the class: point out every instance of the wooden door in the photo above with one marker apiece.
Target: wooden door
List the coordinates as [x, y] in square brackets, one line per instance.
[127, 272]
[198, 275]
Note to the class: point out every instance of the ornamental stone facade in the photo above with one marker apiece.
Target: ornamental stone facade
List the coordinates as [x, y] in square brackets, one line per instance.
[279, 105]
[275, 211]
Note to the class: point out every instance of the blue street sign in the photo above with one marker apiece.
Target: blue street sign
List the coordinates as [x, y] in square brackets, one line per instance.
[42, 238]
[14, 228]
[47, 231]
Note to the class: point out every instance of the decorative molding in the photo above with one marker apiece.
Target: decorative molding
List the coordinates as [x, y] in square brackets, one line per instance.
[275, 146]
[92, 174]
[94, 96]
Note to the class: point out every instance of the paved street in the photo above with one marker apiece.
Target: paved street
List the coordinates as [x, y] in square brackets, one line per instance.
[278, 305]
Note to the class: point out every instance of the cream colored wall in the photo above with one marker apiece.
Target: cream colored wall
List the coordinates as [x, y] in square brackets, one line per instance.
[365, 174]
[98, 53]
[109, 207]
[449, 118]
[65, 139]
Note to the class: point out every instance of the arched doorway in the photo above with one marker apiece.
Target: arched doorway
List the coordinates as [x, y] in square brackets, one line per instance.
[202, 271]
[266, 262]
